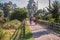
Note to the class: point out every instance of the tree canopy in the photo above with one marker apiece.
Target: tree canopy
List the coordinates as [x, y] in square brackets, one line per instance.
[19, 14]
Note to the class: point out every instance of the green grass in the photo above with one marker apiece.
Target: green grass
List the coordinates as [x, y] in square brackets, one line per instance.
[28, 35]
[13, 23]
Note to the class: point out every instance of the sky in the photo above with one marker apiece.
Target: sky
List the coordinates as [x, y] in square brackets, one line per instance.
[23, 3]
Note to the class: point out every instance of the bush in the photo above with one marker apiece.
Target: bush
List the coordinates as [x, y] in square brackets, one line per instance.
[19, 14]
[51, 20]
[14, 24]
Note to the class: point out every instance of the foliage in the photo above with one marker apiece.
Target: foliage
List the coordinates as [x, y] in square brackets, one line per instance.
[6, 9]
[14, 24]
[54, 10]
[28, 35]
[19, 14]
[51, 20]
[1, 14]
[59, 19]
[2, 34]
[42, 13]
[6, 19]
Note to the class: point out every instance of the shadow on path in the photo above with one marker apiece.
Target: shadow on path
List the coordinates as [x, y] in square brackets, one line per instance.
[38, 34]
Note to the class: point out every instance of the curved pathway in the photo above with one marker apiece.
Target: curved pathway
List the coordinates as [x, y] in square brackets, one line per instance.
[41, 33]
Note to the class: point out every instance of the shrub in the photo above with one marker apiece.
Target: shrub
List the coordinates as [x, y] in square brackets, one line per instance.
[51, 20]
[12, 24]
[19, 14]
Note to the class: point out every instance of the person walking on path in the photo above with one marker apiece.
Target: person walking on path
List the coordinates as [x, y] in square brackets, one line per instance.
[35, 20]
[30, 20]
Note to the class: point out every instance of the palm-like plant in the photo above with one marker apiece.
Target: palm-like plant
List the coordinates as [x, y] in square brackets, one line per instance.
[54, 10]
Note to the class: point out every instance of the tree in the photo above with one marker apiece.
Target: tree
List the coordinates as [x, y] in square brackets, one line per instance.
[21, 15]
[54, 10]
[6, 9]
[41, 13]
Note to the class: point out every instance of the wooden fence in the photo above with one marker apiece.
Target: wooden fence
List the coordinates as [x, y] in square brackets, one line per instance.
[55, 26]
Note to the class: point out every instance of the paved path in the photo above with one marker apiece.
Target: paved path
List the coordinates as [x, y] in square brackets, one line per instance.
[41, 33]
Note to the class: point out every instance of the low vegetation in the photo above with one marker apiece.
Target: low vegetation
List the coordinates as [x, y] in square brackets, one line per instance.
[28, 35]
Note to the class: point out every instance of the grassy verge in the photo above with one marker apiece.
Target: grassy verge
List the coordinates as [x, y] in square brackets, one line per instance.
[9, 31]
[8, 34]
[28, 35]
